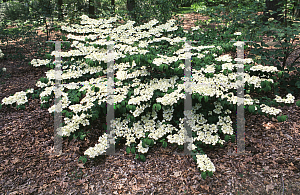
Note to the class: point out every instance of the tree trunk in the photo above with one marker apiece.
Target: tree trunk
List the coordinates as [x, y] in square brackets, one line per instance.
[296, 11]
[91, 9]
[130, 8]
[60, 13]
[113, 5]
[273, 5]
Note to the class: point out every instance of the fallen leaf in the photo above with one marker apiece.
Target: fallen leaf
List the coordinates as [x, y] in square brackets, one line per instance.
[15, 160]
[80, 165]
[269, 187]
[176, 174]
[206, 187]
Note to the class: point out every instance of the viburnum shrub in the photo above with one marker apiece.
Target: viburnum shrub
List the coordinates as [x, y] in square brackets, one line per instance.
[149, 87]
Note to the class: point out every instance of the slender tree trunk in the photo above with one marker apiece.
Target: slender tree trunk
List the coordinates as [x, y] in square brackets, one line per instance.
[130, 8]
[113, 5]
[296, 11]
[60, 13]
[273, 5]
[91, 9]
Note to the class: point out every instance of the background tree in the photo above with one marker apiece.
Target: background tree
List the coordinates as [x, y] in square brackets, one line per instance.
[60, 13]
[113, 5]
[276, 7]
[296, 8]
[91, 9]
[130, 7]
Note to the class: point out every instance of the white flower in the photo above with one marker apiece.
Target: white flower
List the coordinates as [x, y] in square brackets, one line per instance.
[270, 19]
[4, 69]
[237, 33]
[239, 43]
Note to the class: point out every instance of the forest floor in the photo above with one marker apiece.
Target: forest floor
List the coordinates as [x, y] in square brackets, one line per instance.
[271, 164]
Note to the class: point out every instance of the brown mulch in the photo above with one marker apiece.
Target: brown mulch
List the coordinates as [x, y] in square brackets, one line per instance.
[271, 163]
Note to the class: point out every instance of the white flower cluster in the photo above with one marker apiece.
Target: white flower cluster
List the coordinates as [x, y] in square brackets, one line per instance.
[1, 54]
[239, 43]
[209, 69]
[38, 62]
[290, 99]
[99, 149]
[196, 28]
[139, 110]
[228, 66]
[31, 90]
[164, 60]
[225, 58]
[247, 60]
[161, 130]
[269, 110]
[264, 68]
[19, 98]
[141, 149]
[40, 84]
[73, 124]
[204, 163]
[168, 113]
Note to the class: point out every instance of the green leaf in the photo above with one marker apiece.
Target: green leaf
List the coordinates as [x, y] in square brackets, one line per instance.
[123, 103]
[203, 175]
[154, 106]
[133, 150]
[194, 157]
[297, 84]
[226, 138]
[82, 136]
[280, 118]
[152, 142]
[286, 75]
[143, 158]
[148, 142]
[284, 117]
[267, 88]
[210, 174]
[232, 138]
[206, 98]
[136, 156]
[164, 144]
[128, 150]
[158, 106]
[298, 103]
[144, 144]
[251, 108]
[263, 84]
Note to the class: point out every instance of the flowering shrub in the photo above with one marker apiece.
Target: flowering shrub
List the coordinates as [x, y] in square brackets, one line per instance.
[145, 102]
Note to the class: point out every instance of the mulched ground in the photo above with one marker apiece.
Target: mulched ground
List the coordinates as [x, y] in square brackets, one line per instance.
[27, 165]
